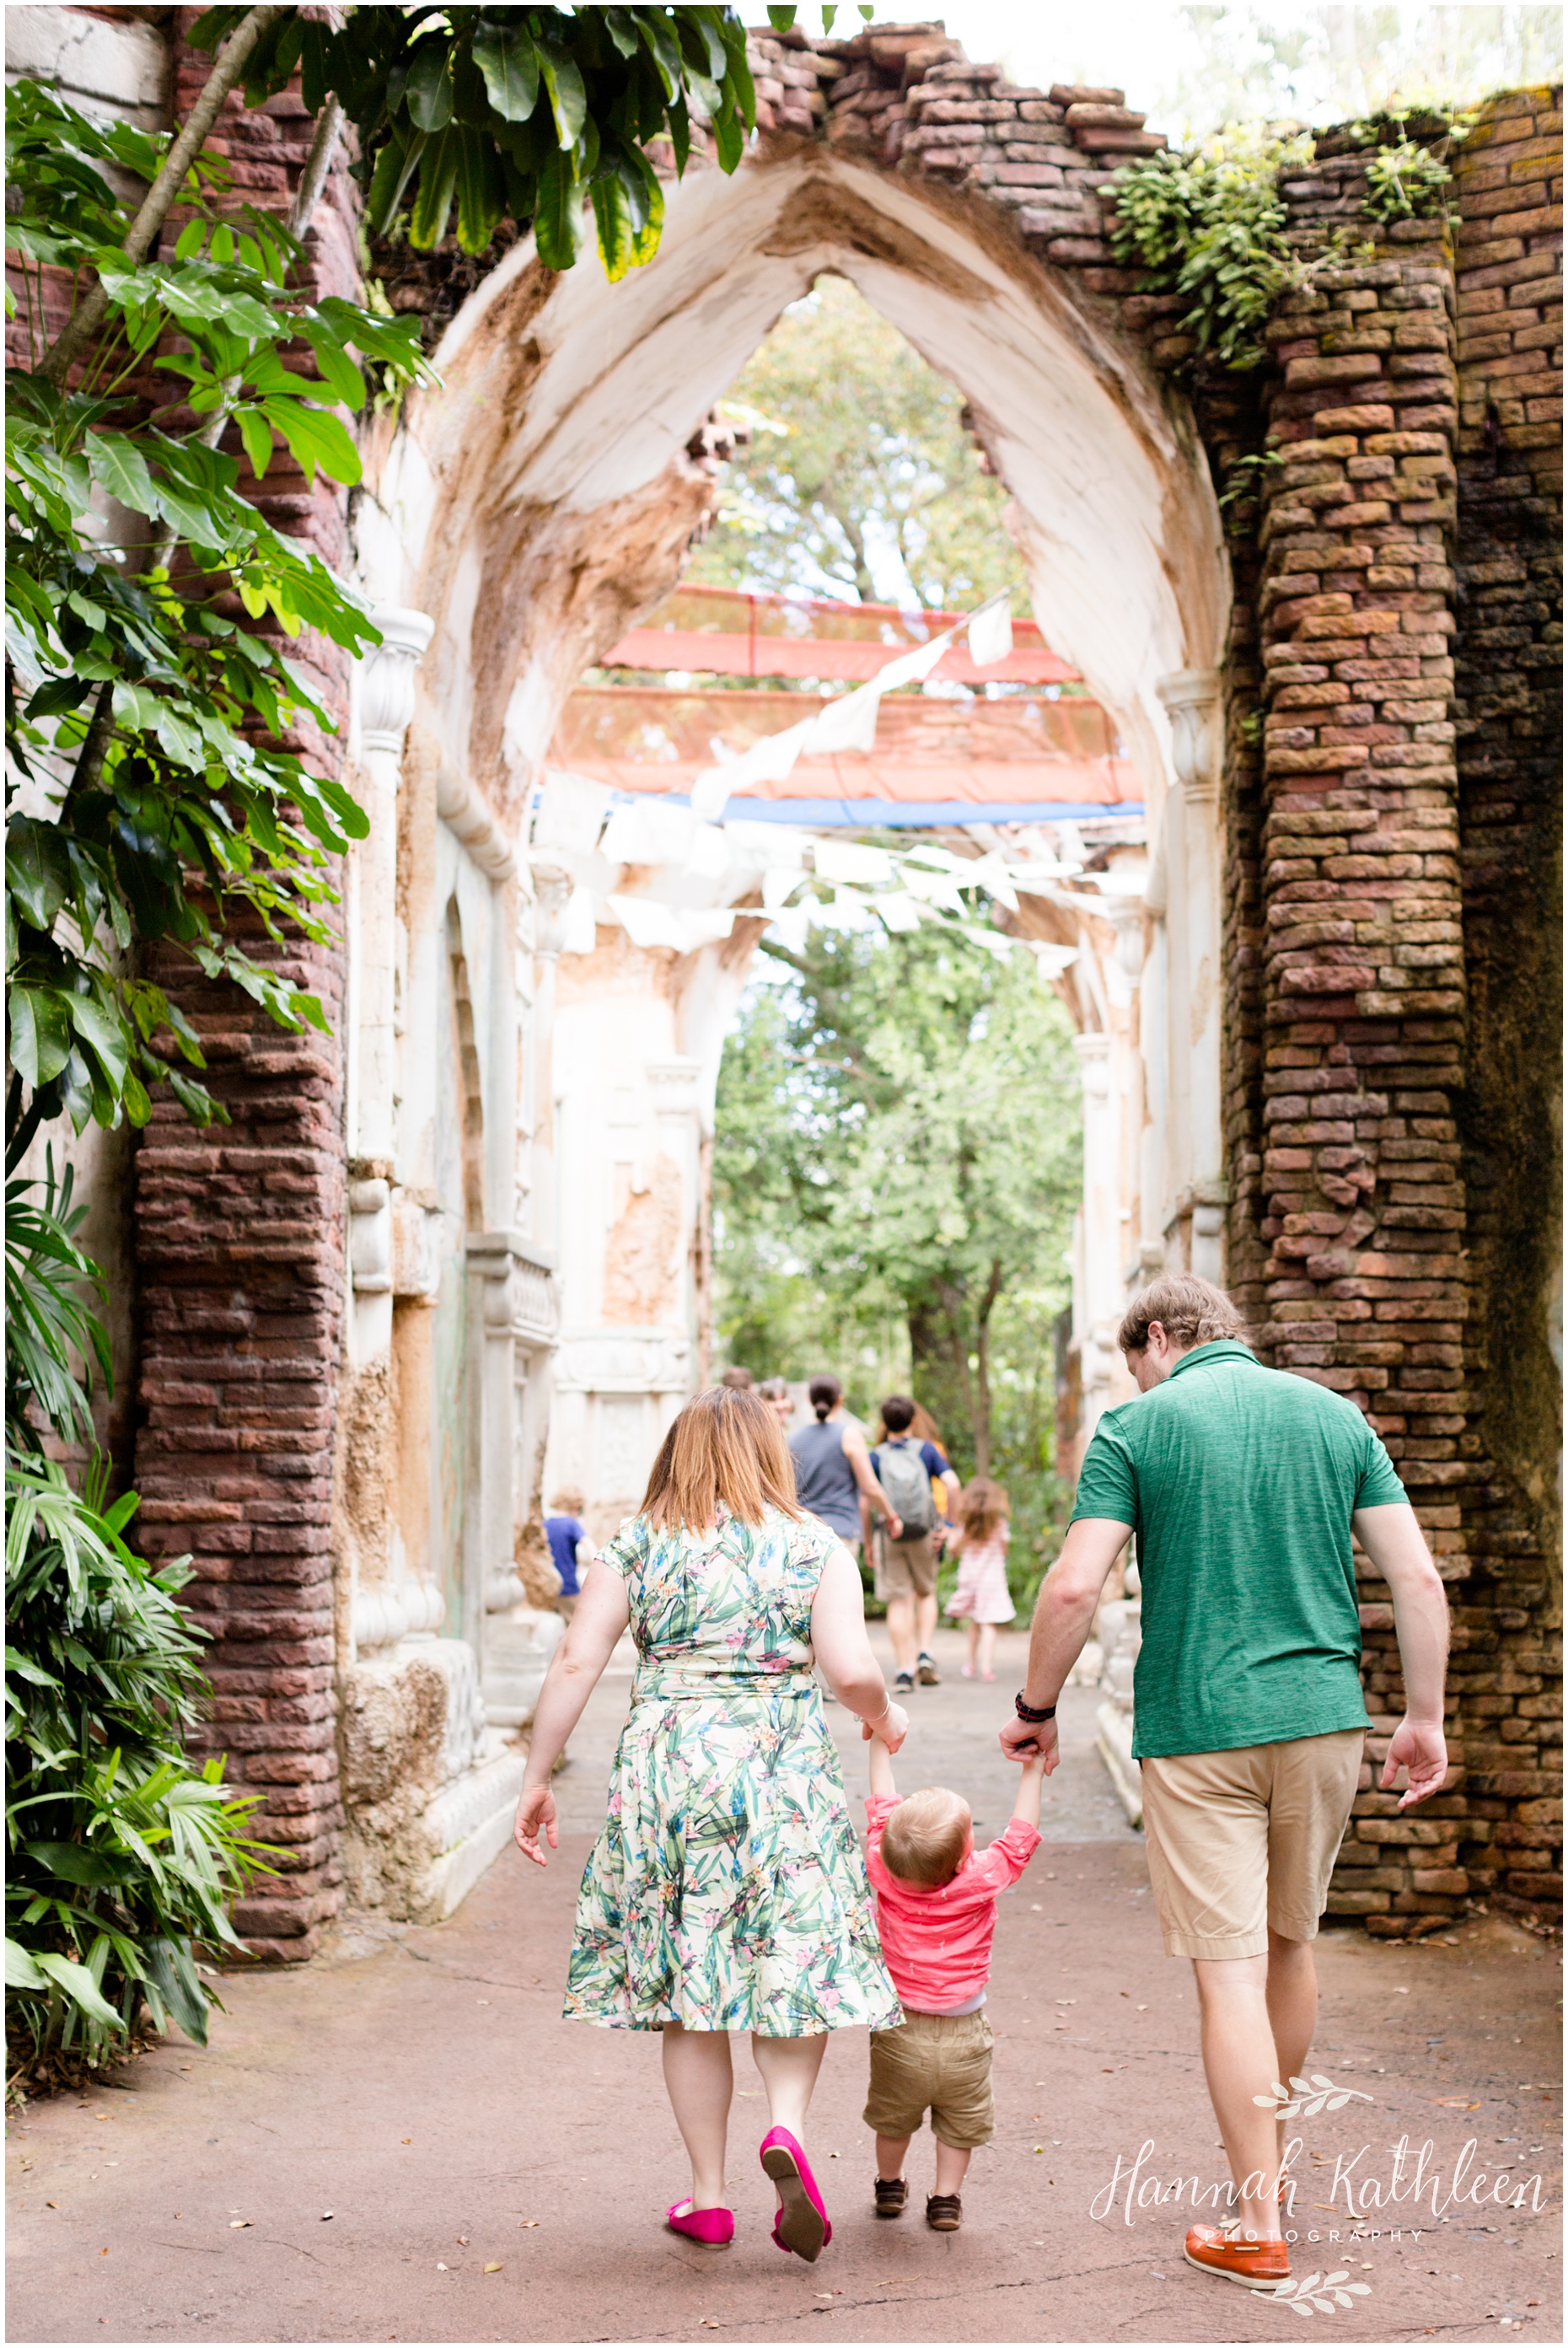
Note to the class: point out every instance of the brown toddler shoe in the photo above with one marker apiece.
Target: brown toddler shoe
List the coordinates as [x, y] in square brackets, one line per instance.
[943, 2212]
[892, 2192]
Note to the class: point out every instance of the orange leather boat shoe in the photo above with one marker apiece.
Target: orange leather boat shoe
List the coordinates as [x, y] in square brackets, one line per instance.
[1256, 2266]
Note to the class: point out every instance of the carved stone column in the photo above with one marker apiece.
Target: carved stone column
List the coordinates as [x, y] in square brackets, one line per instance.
[385, 706]
[675, 1086]
[1192, 849]
[1098, 1303]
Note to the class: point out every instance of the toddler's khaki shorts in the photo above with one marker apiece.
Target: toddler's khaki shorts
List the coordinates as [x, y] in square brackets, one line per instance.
[939, 2062]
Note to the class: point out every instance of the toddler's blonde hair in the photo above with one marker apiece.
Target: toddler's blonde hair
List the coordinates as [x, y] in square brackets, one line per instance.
[927, 1836]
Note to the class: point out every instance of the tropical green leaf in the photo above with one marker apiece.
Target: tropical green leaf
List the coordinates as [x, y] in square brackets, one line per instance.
[506, 56]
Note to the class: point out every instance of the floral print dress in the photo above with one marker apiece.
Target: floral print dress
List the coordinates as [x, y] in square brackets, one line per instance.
[727, 1890]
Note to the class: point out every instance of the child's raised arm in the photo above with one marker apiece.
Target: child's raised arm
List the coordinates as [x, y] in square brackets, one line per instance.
[1031, 1778]
[882, 1786]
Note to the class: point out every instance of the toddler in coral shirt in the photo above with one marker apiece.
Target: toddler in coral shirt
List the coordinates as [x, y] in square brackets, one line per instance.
[936, 1906]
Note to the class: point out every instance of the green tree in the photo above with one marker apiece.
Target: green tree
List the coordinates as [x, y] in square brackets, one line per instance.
[861, 481]
[898, 1131]
[147, 692]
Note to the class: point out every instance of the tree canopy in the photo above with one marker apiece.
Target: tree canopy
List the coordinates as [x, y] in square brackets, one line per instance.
[895, 1173]
[859, 479]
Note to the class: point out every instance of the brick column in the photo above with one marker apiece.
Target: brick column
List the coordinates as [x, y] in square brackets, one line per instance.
[238, 1232]
[1363, 994]
[1508, 1653]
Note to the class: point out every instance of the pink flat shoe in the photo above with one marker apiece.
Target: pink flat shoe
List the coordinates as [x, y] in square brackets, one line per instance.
[714, 2228]
[967, 1672]
[803, 2224]
[988, 1676]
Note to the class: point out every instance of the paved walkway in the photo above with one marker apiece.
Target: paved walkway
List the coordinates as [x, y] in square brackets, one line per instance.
[422, 2090]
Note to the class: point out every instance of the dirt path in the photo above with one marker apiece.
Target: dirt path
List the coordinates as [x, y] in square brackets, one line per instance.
[422, 2088]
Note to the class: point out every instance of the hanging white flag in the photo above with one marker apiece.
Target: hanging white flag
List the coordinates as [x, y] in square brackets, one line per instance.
[849, 723]
[571, 810]
[899, 911]
[847, 859]
[991, 632]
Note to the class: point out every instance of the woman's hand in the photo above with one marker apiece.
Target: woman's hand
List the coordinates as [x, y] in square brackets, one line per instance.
[535, 1808]
[891, 1729]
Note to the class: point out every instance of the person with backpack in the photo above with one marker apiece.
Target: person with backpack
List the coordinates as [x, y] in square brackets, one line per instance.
[905, 1470]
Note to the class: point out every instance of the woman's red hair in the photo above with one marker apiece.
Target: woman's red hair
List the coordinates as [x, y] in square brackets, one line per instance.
[726, 1445]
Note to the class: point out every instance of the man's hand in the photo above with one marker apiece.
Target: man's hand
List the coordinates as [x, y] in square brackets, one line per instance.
[1027, 1741]
[896, 1528]
[1418, 1747]
[535, 1808]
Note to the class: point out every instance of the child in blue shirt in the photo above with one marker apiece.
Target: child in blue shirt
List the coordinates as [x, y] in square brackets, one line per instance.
[565, 1531]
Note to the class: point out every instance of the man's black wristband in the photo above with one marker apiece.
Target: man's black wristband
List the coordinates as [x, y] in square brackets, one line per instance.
[1033, 1714]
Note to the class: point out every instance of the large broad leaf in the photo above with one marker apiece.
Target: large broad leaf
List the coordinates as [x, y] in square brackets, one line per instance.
[40, 1032]
[438, 185]
[118, 465]
[21, 1970]
[38, 869]
[103, 1034]
[74, 1863]
[335, 362]
[78, 1984]
[316, 438]
[568, 98]
[395, 167]
[428, 92]
[481, 191]
[508, 61]
[169, 1965]
[555, 221]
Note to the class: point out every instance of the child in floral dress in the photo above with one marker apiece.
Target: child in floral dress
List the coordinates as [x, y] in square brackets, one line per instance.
[981, 1595]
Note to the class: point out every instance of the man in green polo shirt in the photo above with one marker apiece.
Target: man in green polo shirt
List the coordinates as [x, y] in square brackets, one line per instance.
[1244, 1486]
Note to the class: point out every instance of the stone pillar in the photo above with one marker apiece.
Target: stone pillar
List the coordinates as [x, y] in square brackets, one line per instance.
[1097, 1305]
[675, 1086]
[386, 705]
[1192, 697]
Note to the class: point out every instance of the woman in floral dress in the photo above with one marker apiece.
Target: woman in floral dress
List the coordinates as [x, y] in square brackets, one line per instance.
[727, 1890]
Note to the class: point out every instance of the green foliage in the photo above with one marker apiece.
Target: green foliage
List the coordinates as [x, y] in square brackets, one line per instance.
[144, 798]
[1405, 180]
[897, 1142]
[508, 113]
[48, 1323]
[859, 479]
[1210, 226]
[120, 1858]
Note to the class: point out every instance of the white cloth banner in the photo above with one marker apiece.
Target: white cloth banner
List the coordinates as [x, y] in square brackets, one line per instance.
[849, 723]
[990, 633]
[846, 859]
[570, 811]
[648, 923]
[899, 910]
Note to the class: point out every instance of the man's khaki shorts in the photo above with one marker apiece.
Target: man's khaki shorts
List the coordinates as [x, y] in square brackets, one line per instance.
[940, 2063]
[908, 1567]
[1244, 1842]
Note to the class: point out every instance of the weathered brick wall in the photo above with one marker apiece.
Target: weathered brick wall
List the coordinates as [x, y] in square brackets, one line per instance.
[1371, 1096]
[1508, 658]
[240, 1248]
[240, 1252]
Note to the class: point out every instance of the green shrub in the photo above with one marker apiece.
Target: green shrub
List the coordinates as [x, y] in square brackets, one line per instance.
[121, 1858]
[1406, 181]
[1210, 226]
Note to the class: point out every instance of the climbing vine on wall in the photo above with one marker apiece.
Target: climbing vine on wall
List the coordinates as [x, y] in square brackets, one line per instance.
[1210, 226]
